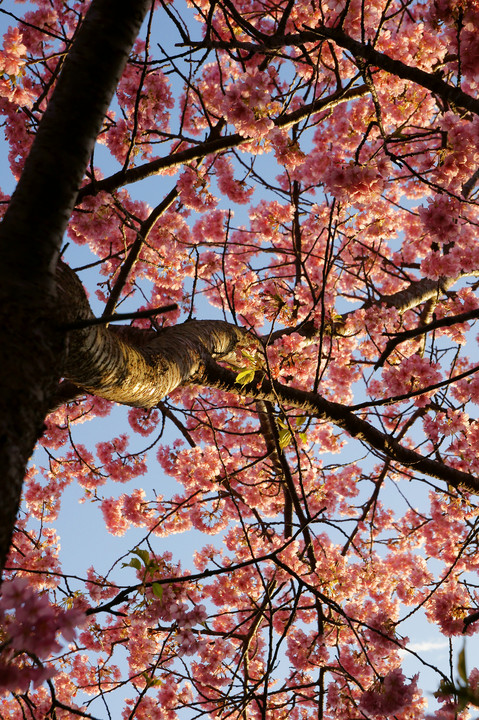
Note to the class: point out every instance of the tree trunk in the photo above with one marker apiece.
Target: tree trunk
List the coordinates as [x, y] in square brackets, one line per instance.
[32, 347]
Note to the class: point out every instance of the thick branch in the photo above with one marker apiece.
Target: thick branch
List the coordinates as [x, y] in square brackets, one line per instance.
[216, 376]
[140, 367]
[132, 366]
[430, 81]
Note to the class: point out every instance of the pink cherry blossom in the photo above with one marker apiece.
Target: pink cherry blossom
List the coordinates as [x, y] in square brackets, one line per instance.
[389, 695]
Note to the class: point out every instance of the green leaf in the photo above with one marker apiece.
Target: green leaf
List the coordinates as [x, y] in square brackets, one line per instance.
[134, 563]
[249, 357]
[143, 554]
[152, 567]
[151, 681]
[285, 438]
[155, 682]
[157, 590]
[245, 377]
[461, 664]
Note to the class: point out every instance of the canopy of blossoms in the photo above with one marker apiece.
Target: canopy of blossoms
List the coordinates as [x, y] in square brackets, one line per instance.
[303, 174]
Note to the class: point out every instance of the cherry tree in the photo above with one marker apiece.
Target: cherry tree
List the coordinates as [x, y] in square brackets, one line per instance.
[277, 202]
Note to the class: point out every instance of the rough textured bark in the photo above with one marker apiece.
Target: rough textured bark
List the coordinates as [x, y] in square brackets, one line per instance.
[133, 366]
[31, 235]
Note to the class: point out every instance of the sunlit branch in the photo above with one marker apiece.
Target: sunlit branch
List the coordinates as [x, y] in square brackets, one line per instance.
[210, 147]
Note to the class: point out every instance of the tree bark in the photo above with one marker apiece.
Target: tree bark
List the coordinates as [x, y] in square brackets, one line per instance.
[132, 366]
[32, 347]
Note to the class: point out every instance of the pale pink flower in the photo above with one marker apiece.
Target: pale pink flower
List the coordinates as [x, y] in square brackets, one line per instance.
[353, 183]
[31, 624]
[440, 217]
[390, 695]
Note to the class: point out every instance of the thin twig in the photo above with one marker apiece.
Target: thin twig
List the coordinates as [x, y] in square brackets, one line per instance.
[116, 317]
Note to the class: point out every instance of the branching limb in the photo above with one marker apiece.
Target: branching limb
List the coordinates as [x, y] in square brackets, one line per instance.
[271, 437]
[393, 342]
[214, 375]
[215, 145]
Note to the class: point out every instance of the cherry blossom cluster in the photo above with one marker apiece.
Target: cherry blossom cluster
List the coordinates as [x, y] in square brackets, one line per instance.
[147, 118]
[12, 60]
[354, 183]
[389, 695]
[248, 103]
[30, 626]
